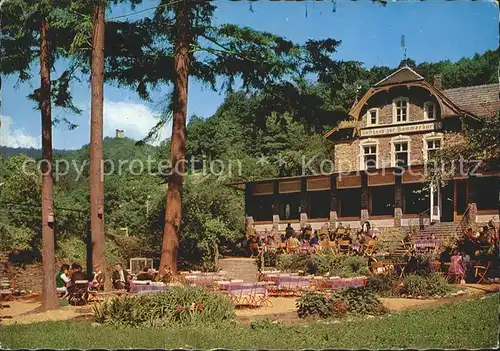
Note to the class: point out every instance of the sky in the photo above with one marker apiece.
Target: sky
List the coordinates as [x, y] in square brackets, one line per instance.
[371, 33]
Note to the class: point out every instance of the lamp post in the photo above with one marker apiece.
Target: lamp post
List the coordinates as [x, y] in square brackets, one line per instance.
[147, 205]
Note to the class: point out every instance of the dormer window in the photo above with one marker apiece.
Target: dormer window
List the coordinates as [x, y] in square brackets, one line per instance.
[429, 110]
[372, 117]
[400, 110]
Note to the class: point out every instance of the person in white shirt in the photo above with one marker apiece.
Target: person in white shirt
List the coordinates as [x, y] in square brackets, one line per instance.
[62, 280]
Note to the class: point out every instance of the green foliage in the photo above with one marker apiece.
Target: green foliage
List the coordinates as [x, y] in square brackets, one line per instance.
[177, 306]
[313, 304]
[348, 300]
[72, 249]
[20, 204]
[321, 264]
[433, 284]
[383, 285]
[260, 324]
[358, 301]
[270, 259]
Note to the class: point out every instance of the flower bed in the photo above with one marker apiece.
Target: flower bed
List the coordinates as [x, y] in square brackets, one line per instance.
[179, 305]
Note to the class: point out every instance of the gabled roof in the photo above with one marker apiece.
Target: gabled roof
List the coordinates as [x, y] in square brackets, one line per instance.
[480, 100]
[343, 125]
[448, 108]
[402, 75]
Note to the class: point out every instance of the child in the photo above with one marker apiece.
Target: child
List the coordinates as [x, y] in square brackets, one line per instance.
[457, 267]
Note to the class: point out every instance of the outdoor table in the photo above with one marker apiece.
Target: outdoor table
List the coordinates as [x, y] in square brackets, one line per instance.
[427, 243]
[339, 283]
[141, 289]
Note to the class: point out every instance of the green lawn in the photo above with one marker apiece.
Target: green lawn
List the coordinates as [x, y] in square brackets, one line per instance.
[466, 324]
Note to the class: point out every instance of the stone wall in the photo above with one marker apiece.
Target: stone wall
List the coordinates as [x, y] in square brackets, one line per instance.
[347, 155]
[383, 101]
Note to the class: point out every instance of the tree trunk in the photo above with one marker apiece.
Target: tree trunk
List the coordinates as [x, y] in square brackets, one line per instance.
[49, 293]
[173, 211]
[96, 138]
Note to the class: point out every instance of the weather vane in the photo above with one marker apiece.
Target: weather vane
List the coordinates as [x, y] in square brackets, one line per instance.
[403, 46]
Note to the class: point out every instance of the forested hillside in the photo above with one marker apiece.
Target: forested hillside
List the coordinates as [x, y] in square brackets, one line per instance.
[260, 133]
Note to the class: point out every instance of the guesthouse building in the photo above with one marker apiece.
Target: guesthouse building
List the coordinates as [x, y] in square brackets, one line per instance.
[380, 156]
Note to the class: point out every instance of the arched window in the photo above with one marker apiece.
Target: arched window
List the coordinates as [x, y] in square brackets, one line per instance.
[429, 110]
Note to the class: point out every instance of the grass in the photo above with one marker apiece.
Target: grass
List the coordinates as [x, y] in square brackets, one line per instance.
[464, 324]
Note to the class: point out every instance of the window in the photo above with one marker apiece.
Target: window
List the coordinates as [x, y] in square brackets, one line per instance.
[400, 112]
[401, 154]
[370, 156]
[319, 204]
[381, 200]
[372, 118]
[433, 146]
[349, 202]
[429, 110]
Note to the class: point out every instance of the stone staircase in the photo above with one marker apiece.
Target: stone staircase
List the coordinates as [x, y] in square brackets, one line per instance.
[442, 230]
[240, 268]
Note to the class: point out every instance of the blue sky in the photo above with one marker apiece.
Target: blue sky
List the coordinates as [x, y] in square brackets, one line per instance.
[434, 29]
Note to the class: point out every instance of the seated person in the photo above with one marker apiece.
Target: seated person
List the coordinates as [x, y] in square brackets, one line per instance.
[371, 259]
[289, 231]
[98, 279]
[444, 258]
[412, 263]
[144, 274]
[254, 246]
[120, 278]
[62, 280]
[356, 242]
[408, 239]
[166, 275]
[314, 240]
[77, 274]
[293, 242]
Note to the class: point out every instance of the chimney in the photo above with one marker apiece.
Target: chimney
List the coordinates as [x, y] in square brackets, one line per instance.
[437, 82]
[120, 133]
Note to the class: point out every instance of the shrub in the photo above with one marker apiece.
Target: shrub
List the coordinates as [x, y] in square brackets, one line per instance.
[415, 285]
[351, 266]
[293, 263]
[384, 285]
[270, 259]
[323, 263]
[437, 284]
[433, 284]
[313, 304]
[339, 308]
[349, 300]
[358, 301]
[179, 305]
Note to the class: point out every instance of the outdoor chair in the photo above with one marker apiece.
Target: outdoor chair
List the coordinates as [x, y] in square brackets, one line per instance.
[79, 293]
[344, 246]
[408, 247]
[480, 272]
[370, 248]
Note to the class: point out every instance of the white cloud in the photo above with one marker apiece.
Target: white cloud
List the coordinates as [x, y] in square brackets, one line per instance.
[16, 137]
[135, 119]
